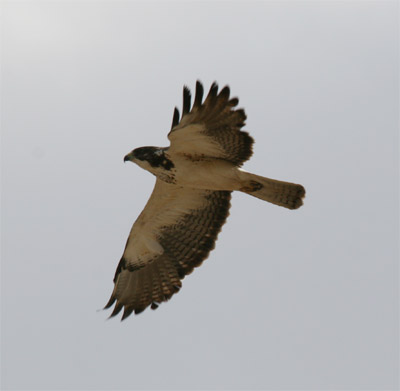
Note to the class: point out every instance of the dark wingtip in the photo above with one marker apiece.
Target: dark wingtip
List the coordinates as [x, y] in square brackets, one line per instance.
[212, 94]
[225, 92]
[213, 89]
[127, 311]
[109, 303]
[117, 309]
[186, 100]
[233, 102]
[199, 94]
[242, 116]
[175, 119]
[139, 310]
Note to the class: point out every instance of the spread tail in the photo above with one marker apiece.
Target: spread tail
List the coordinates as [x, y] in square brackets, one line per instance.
[286, 194]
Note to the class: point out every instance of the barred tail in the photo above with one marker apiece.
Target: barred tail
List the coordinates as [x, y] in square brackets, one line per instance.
[286, 194]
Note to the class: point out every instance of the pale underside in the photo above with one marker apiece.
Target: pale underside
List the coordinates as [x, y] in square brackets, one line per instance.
[180, 223]
[167, 206]
[175, 233]
[191, 140]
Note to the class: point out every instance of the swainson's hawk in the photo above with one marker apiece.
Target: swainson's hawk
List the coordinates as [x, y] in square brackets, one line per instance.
[190, 202]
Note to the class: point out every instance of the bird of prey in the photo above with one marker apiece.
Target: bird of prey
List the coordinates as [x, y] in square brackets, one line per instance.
[190, 202]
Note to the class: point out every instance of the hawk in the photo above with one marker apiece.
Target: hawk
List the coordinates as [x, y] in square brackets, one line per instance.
[190, 202]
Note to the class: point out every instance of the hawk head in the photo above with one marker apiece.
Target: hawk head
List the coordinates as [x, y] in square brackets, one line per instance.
[150, 158]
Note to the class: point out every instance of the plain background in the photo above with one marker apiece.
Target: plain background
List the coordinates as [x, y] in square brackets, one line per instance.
[304, 299]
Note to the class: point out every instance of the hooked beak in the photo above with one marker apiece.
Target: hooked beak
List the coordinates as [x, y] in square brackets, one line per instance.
[128, 157]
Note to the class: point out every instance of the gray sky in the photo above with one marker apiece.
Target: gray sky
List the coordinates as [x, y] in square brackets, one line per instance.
[304, 299]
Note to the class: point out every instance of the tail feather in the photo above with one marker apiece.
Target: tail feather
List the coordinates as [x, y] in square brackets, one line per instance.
[286, 194]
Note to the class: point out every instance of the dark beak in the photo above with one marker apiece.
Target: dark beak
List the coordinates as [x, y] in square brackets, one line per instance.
[128, 157]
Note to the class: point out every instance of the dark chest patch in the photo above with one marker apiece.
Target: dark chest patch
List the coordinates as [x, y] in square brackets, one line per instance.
[158, 159]
[154, 156]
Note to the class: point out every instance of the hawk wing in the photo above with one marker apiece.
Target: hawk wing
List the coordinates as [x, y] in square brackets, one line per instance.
[174, 234]
[212, 128]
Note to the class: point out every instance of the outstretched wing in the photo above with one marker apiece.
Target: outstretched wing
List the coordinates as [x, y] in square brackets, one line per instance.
[174, 234]
[210, 128]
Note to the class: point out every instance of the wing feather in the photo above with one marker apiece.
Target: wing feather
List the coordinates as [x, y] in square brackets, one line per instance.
[185, 224]
[175, 118]
[211, 129]
[186, 100]
[199, 95]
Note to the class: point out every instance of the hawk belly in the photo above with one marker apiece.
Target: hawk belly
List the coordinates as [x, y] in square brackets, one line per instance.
[209, 174]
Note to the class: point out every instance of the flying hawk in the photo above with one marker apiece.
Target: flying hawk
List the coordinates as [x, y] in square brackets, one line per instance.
[190, 202]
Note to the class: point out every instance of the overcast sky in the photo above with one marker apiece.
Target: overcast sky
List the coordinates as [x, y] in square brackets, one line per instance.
[304, 299]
